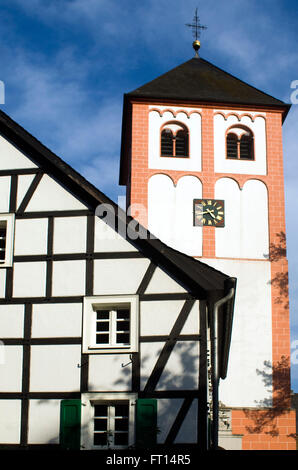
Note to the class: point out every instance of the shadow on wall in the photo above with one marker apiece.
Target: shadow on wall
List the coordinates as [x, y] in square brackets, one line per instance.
[264, 421]
[278, 252]
[179, 375]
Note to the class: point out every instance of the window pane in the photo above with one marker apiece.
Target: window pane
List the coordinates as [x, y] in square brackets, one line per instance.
[103, 314]
[232, 146]
[102, 339]
[2, 242]
[246, 147]
[121, 410]
[101, 424]
[122, 325]
[100, 410]
[100, 439]
[121, 439]
[122, 338]
[167, 142]
[121, 424]
[102, 326]
[123, 314]
[182, 144]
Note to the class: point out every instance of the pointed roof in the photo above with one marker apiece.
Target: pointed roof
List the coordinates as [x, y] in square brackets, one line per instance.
[199, 80]
[195, 81]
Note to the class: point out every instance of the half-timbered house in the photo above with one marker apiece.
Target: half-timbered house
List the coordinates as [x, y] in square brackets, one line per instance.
[104, 333]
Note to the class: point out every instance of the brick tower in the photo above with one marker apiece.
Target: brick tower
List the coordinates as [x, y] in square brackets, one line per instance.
[202, 162]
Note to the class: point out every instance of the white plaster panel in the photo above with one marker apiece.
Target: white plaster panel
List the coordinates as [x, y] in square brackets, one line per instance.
[70, 234]
[11, 368]
[51, 196]
[118, 276]
[24, 182]
[54, 368]
[224, 165]
[11, 321]
[167, 410]
[56, 320]
[44, 422]
[188, 430]
[4, 193]
[110, 372]
[149, 353]
[161, 208]
[158, 317]
[2, 282]
[254, 220]
[227, 238]
[11, 158]
[188, 239]
[193, 123]
[68, 278]
[170, 212]
[31, 236]
[251, 342]
[29, 279]
[106, 239]
[163, 283]
[182, 369]
[245, 234]
[10, 422]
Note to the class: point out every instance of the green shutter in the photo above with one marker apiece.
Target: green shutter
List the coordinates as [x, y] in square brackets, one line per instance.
[70, 424]
[146, 422]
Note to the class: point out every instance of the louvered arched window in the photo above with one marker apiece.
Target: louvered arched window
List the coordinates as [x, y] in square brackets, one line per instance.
[240, 143]
[174, 140]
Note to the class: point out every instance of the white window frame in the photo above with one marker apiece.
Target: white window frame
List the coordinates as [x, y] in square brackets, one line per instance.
[10, 222]
[89, 400]
[92, 305]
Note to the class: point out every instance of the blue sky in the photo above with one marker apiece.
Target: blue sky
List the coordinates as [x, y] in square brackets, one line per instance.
[67, 63]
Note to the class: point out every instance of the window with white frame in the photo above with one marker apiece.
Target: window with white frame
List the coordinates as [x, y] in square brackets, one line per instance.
[110, 324]
[108, 420]
[6, 239]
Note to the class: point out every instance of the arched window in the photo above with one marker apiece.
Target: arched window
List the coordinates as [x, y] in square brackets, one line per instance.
[174, 140]
[240, 143]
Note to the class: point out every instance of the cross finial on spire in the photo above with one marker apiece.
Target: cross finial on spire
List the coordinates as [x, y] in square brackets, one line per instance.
[196, 31]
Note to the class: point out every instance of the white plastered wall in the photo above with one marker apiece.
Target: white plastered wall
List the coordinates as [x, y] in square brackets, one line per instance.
[10, 422]
[170, 212]
[51, 196]
[251, 345]
[55, 368]
[118, 276]
[12, 158]
[4, 193]
[257, 126]
[245, 234]
[193, 123]
[44, 421]
[56, 320]
[181, 369]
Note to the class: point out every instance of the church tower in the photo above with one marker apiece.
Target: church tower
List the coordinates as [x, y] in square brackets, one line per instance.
[202, 162]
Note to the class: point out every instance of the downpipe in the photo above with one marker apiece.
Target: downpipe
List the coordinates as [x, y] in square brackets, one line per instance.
[214, 362]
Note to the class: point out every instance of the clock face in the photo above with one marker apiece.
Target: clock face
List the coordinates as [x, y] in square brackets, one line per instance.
[210, 212]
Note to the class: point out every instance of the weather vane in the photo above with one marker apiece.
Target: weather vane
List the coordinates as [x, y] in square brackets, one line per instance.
[196, 31]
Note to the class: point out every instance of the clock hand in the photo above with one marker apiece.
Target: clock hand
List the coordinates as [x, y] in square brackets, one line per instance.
[210, 212]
